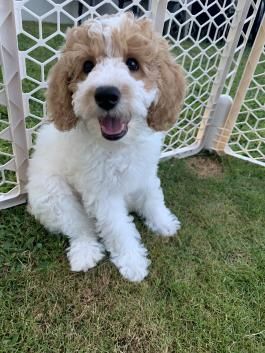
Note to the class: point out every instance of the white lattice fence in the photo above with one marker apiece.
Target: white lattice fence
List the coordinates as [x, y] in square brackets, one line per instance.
[207, 37]
[248, 136]
[243, 133]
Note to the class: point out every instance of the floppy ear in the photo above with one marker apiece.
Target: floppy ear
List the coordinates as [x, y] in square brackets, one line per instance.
[171, 86]
[59, 95]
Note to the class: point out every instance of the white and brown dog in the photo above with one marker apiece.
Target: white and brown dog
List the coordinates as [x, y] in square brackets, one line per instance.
[113, 91]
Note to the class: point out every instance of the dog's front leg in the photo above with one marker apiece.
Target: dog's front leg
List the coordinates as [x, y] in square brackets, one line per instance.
[121, 238]
[151, 205]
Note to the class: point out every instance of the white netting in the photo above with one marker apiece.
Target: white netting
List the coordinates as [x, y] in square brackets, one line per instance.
[241, 51]
[248, 136]
[198, 32]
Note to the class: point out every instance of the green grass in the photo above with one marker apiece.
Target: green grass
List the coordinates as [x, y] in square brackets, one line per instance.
[204, 294]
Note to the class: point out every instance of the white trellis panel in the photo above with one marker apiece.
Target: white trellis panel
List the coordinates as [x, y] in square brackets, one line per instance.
[207, 37]
[209, 41]
[243, 134]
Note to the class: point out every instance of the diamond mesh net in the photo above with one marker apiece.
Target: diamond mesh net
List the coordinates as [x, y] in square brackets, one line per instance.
[248, 136]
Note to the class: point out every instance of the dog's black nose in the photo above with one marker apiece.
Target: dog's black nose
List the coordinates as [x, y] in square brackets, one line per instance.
[107, 97]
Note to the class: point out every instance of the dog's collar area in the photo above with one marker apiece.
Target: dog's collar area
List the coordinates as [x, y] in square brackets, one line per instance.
[113, 128]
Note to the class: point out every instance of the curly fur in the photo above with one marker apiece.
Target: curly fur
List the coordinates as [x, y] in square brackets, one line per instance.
[83, 185]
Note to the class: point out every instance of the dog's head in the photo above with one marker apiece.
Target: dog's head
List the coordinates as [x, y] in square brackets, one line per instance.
[115, 73]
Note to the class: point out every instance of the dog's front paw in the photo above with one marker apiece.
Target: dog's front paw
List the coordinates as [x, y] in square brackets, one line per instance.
[166, 224]
[84, 254]
[132, 266]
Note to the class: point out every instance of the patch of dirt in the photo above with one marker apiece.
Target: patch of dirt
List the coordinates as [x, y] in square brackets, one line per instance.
[238, 257]
[206, 167]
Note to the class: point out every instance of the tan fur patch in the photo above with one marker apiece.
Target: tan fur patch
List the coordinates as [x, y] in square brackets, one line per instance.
[136, 39]
[67, 72]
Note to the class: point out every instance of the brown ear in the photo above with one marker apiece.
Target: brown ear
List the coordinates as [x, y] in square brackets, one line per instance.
[59, 96]
[171, 85]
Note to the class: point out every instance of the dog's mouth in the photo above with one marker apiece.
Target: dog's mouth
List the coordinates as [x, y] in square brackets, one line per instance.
[113, 128]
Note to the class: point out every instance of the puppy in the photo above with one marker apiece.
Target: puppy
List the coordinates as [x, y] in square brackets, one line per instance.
[112, 93]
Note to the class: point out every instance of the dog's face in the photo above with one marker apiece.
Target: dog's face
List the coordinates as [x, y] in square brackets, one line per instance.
[117, 75]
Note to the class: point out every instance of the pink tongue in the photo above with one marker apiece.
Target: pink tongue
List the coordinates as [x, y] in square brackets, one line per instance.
[111, 125]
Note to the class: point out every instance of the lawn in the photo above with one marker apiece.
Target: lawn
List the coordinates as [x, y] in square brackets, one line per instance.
[205, 291]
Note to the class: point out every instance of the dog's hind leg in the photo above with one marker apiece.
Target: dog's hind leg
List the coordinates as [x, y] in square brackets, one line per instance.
[53, 203]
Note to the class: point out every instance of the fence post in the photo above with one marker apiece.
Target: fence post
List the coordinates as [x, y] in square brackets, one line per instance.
[16, 132]
[158, 10]
[253, 59]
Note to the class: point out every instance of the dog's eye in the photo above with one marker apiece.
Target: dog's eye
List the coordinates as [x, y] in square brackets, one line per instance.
[88, 66]
[132, 64]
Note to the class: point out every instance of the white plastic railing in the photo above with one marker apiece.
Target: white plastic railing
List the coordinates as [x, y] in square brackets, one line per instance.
[243, 134]
[13, 144]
